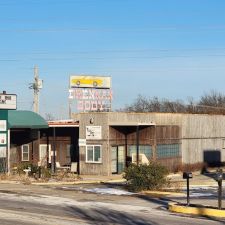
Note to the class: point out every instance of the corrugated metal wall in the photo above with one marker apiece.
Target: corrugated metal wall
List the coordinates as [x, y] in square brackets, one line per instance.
[198, 135]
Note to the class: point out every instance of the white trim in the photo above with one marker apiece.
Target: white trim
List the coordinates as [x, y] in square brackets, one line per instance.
[63, 125]
[130, 123]
[22, 152]
[97, 162]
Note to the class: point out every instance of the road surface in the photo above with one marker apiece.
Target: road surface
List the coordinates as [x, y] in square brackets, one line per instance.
[28, 204]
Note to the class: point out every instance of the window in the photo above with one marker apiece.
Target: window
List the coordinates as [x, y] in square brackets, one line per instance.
[168, 150]
[25, 152]
[93, 153]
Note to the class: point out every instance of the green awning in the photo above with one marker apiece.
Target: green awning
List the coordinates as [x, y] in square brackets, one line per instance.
[25, 119]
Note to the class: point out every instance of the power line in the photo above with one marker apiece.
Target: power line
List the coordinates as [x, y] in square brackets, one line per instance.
[117, 57]
[38, 52]
[219, 27]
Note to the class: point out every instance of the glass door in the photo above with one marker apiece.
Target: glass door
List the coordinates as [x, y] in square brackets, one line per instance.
[117, 159]
[114, 159]
[121, 158]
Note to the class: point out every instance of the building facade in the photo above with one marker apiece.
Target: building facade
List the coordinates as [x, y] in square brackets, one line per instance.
[113, 140]
[104, 143]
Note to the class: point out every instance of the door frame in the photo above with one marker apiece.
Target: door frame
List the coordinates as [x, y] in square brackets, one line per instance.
[117, 157]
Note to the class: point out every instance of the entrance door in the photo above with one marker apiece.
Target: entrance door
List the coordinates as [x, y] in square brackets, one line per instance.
[114, 160]
[117, 159]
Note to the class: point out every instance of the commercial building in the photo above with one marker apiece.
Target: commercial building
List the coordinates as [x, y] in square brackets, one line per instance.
[104, 143]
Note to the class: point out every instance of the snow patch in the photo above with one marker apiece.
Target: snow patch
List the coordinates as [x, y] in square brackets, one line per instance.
[201, 194]
[103, 191]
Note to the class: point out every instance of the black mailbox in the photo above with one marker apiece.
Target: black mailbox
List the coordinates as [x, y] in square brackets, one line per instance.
[219, 175]
[187, 175]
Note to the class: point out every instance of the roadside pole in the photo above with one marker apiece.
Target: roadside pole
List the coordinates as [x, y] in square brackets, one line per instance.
[219, 179]
[8, 153]
[187, 176]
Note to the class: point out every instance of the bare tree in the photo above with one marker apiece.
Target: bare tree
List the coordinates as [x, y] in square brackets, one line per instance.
[143, 104]
[213, 99]
[211, 103]
[49, 117]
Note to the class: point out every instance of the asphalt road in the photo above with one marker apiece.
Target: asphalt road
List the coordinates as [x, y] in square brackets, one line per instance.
[29, 204]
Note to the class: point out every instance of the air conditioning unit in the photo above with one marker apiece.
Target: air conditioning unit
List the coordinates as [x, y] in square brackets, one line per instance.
[142, 159]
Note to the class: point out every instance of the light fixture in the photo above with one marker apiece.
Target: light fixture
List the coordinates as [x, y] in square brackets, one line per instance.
[91, 120]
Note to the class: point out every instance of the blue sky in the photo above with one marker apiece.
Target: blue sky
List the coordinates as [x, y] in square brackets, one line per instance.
[166, 48]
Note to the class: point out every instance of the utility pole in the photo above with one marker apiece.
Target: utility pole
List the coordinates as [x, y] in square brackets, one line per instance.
[36, 86]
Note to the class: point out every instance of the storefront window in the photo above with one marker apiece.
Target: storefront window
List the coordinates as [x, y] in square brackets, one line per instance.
[168, 150]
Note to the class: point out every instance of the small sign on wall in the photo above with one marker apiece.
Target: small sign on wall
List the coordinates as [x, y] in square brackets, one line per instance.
[82, 142]
[3, 140]
[93, 132]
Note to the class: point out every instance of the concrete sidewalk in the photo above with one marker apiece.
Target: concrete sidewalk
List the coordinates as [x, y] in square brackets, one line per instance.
[174, 179]
[198, 179]
[85, 179]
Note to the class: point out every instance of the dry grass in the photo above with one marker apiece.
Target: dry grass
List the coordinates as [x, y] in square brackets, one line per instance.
[66, 176]
[60, 176]
[190, 167]
[25, 180]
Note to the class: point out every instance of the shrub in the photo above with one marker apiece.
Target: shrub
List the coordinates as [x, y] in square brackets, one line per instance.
[35, 170]
[45, 173]
[145, 177]
[26, 165]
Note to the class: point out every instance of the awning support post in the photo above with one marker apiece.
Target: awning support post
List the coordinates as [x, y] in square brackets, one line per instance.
[137, 144]
[53, 166]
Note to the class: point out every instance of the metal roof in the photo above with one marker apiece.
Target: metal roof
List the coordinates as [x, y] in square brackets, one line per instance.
[25, 119]
[63, 123]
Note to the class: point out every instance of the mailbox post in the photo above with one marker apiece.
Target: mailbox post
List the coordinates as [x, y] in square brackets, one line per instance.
[219, 179]
[187, 176]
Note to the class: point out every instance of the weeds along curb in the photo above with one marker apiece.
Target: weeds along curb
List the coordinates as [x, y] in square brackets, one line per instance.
[196, 210]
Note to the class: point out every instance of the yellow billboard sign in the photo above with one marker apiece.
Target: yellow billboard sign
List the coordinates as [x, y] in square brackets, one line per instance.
[90, 82]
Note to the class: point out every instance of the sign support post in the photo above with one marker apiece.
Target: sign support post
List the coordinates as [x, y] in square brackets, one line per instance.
[7, 102]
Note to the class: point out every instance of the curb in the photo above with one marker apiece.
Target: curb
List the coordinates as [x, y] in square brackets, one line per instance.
[164, 193]
[197, 210]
